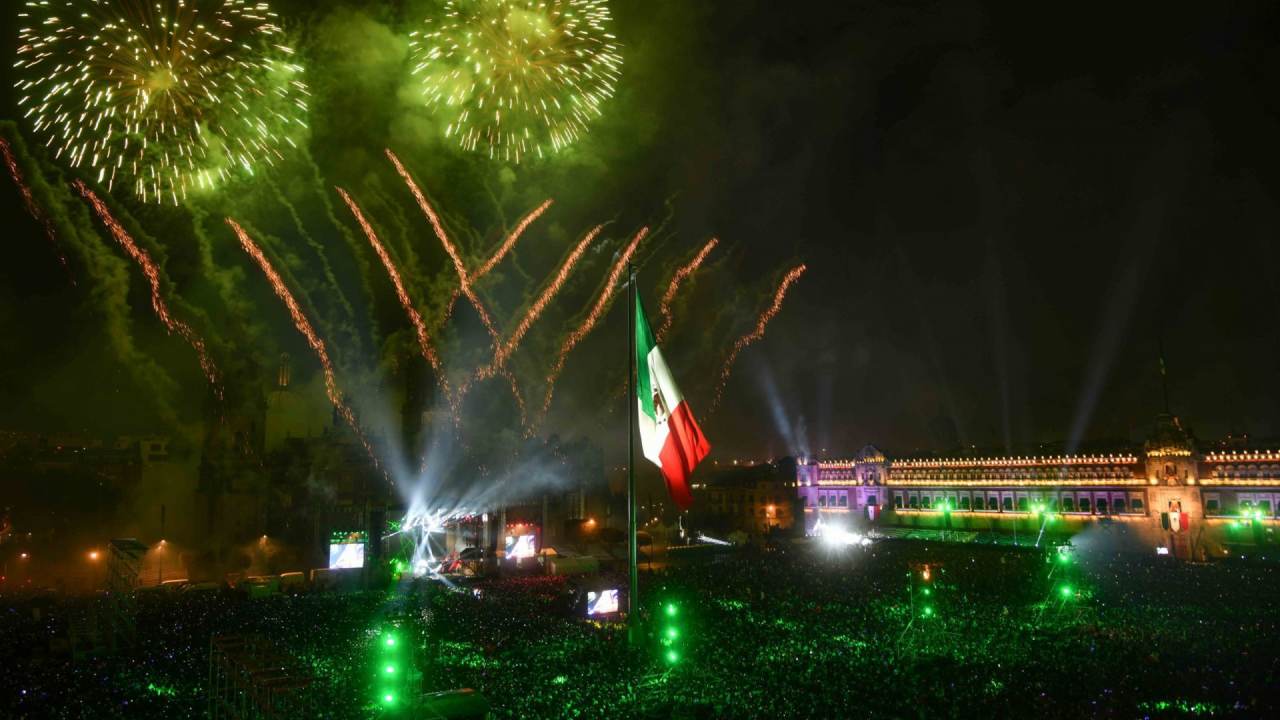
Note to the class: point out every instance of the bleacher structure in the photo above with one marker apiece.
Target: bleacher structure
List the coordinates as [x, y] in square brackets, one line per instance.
[124, 566]
[251, 679]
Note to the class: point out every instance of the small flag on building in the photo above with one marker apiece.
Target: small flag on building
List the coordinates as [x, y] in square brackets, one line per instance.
[668, 433]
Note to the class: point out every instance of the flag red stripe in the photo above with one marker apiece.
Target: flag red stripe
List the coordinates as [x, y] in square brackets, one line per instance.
[684, 449]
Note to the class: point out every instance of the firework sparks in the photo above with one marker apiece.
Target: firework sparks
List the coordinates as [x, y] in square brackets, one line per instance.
[463, 279]
[517, 77]
[500, 253]
[33, 208]
[152, 272]
[509, 346]
[664, 308]
[304, 326]
[164, 95]
[510, 241]
[419, 327]
[758, 331]
[593, 317]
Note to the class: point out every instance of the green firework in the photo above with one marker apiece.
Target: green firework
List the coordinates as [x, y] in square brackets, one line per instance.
[515, 78]
[168, 96]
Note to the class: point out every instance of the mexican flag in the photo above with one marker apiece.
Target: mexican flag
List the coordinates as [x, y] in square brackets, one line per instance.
[668, 433]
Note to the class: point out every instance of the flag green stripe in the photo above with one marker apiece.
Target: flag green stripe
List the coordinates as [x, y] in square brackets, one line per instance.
[644, 344]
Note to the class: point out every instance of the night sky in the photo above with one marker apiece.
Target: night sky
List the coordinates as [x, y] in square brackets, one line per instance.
[1005, 212]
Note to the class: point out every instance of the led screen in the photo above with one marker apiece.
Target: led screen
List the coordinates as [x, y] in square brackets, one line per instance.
[520, 546]
[346, 555]
[602, 603]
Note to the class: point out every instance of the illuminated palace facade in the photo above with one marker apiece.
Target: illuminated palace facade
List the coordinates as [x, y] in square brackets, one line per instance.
[1166, 493]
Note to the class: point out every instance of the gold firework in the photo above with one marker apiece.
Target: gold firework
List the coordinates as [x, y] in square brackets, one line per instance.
[517, 77]
[168, 96]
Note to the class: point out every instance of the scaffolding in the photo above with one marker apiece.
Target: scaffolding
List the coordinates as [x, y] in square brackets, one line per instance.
[251, 679]
[124, 566]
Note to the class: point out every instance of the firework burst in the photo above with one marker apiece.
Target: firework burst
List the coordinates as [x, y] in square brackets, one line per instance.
[169, 96]
[517, 77]
[152, 272]
[757, 332]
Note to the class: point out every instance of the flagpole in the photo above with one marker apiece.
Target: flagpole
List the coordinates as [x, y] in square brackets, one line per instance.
[632, 599]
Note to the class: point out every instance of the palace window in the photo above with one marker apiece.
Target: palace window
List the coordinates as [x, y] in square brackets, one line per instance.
[1211, 505]
[822, 501]
[1052, 504]
[1022, 504]
[1102, 506]
[964, 502]
[1265, 507]
[978, 502]
[1136, 505]
[844, 500]
[926, 502]
[1068, 504]
[1084, 504]
[871, 500]
[897, 501]
[1007, 505]
[915, 502]
[1119, 505]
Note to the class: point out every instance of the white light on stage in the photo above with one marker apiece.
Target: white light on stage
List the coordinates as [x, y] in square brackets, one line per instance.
[713, 541]
[839, 537]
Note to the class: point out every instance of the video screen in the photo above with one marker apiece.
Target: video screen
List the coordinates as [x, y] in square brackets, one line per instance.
[603, 602]
[520, 546]
[346, 555]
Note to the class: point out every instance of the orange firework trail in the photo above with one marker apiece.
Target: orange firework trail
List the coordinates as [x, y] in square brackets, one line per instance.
[758, 332]
[33, 209]
[304, 326]
[507, 348]
[152, 272]
[510, 241]
[419, 327]
[593, 317]
[664, 309]
[500, 253]
[463, 280]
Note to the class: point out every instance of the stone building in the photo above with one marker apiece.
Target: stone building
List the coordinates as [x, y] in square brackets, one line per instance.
[756, 499]
[1167, 494]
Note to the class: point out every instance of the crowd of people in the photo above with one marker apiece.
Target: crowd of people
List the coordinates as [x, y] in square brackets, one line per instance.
[800, 631]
